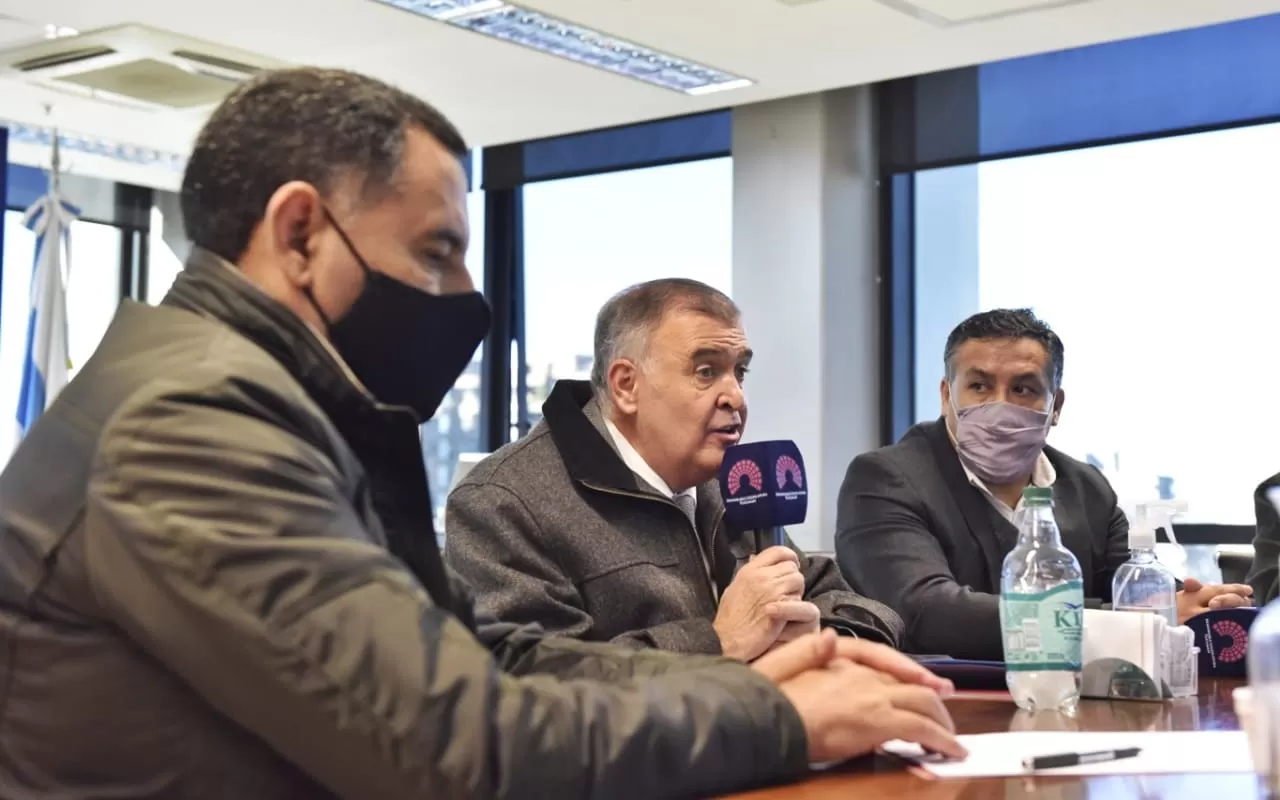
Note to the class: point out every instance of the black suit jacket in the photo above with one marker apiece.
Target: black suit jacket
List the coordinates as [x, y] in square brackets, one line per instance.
[1264, 575]
[914, 534]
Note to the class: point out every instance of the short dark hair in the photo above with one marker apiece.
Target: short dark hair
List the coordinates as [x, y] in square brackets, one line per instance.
[321, 126]
[625, 322]
[1007, 323]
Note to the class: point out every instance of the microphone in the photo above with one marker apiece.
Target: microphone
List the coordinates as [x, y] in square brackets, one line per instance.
[763, 487]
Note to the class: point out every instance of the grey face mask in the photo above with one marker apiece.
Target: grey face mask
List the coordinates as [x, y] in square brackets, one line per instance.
[999, 442]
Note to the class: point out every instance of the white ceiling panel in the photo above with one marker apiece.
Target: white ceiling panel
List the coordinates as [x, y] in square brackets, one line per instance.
[499, 92]
[962, 11]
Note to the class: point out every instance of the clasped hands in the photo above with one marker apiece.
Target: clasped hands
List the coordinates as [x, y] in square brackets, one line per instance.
[854, 695]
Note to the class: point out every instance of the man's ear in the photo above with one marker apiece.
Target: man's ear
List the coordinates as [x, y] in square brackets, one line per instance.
[294, 216]
[1059, 398]
[624, 384]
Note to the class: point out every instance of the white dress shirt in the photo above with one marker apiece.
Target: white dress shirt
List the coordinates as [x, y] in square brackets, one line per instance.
[1043, 476]
[636, 463]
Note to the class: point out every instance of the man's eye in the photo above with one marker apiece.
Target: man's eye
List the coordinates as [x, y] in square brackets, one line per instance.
[742, 373]
[977, 386]
[705, 372]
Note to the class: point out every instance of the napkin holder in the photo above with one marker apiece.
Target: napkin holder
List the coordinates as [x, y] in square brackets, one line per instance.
[1136, 656]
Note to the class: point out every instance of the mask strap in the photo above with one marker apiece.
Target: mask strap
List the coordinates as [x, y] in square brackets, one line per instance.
[311, 298]
[364, 265]
[351, 248]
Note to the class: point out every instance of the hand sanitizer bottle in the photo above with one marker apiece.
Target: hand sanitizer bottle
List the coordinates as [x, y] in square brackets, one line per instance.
[1142, 583]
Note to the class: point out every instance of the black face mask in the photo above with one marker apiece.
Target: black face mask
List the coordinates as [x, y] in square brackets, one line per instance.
[406, 346]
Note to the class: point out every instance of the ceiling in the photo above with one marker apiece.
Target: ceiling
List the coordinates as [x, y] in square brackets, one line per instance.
[498, 92]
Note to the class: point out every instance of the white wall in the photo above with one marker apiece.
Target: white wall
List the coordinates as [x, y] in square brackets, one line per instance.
[805, 272]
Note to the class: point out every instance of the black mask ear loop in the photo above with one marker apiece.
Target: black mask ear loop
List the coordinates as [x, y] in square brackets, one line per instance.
[364, 267]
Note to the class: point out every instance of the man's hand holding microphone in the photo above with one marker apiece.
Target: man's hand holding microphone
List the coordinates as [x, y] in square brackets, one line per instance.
[853, 695]
[763, 606]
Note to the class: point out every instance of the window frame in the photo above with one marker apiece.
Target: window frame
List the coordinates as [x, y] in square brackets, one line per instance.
[1048, 103]
[507, 169]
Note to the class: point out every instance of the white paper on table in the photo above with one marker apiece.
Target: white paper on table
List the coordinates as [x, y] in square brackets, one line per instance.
[1001, 754]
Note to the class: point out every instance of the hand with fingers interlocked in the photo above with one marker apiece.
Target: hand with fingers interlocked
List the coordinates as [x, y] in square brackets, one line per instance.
[854, 696]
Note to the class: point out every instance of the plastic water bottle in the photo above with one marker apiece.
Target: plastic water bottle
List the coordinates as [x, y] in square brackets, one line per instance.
[1264, 685]
[1143, 583]
[1042, 611]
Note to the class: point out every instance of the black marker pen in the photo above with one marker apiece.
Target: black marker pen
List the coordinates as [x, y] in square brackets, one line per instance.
[1076, 759]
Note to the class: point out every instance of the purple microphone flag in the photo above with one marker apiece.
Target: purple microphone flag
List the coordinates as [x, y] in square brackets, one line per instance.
[763, 485]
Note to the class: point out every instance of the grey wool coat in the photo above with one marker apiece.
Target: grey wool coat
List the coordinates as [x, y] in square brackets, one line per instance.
[557, 531]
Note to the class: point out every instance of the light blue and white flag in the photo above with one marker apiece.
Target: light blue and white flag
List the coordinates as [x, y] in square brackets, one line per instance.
[44, 372]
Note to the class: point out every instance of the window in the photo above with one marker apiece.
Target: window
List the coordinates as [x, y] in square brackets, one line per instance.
[163, 265]
[1156, 263]
[93, 293]
[93, 287]
[587, 238]
[15, 307]
[455, 429]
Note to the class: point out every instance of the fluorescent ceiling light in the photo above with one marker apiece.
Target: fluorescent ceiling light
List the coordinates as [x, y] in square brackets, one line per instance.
[546, 34]
[711, 88]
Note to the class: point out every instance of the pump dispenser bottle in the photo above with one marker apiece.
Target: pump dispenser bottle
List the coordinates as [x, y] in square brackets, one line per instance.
[1143, 583]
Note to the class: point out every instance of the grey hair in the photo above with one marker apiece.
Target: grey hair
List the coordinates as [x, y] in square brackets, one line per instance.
[625, 323]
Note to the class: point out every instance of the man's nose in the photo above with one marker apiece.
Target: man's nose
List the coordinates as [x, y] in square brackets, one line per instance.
[458, 282]
[734, 397]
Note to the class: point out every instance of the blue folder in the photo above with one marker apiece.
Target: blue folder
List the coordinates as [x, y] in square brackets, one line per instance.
[967, 674]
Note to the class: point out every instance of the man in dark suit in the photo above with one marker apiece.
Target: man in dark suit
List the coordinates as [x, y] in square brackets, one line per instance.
[1264, 575]
[924, 525]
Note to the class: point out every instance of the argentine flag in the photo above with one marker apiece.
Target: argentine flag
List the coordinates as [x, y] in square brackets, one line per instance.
[44, 372]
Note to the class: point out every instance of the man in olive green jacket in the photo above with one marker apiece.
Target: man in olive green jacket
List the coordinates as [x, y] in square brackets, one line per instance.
[218, 577]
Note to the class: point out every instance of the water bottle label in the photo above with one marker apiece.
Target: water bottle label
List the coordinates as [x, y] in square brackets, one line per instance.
[1044, 631]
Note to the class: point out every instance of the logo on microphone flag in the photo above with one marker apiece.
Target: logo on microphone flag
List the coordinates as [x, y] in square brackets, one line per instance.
[790, 477]
[763, 485]
[745, 474]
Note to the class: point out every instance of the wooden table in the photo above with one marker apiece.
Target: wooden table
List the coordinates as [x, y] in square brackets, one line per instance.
[976, 712]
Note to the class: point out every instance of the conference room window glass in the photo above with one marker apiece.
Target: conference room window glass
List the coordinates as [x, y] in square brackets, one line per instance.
[455, 429]
[587, 238]
[93, 293]
[163, 265]
[1156, 263]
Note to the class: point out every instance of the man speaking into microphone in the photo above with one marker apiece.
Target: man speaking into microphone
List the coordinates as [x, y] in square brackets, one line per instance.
[607, 523]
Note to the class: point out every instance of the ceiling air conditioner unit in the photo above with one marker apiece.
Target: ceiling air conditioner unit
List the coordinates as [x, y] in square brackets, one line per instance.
[135, 66]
